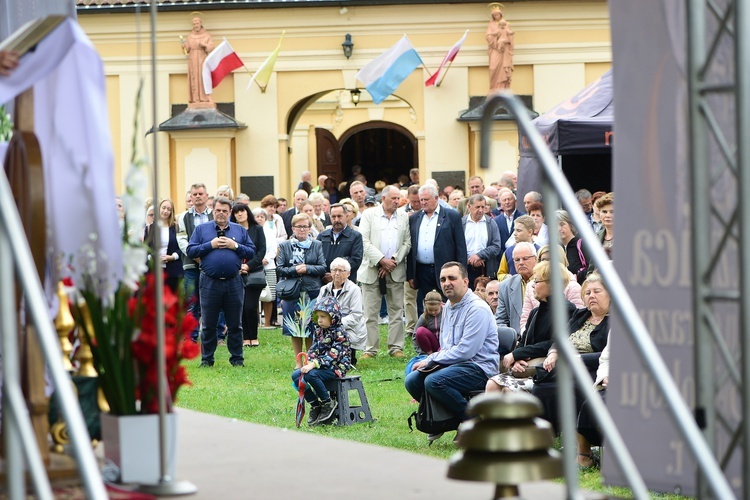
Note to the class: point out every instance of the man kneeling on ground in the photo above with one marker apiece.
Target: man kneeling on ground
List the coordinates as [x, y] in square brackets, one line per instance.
[468, 347]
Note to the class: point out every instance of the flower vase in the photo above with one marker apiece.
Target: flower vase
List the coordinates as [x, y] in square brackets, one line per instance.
[132, 443]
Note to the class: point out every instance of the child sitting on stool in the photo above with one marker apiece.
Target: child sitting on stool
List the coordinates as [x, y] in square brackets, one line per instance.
[329, 357]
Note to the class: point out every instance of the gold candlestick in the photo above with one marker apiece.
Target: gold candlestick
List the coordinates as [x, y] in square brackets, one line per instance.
[83, 355]
[64, 323]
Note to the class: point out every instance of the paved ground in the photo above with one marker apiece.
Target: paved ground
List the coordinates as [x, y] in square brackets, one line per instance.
[228, 459]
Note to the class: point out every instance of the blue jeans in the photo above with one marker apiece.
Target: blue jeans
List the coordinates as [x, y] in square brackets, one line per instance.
[315, 379]
[192, 297]
[218, 295]
[451, 385]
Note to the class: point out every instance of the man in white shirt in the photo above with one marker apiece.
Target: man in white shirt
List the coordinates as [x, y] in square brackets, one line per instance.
[482, 240]
[386, 240]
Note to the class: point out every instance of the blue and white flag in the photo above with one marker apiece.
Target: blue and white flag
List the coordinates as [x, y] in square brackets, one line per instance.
[385, 73]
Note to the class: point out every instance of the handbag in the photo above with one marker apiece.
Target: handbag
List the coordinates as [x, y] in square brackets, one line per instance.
[530, 370]
[289, 288]
[266, 295]
[255, 279]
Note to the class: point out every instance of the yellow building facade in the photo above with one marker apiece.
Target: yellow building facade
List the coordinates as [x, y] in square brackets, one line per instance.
[560, 47]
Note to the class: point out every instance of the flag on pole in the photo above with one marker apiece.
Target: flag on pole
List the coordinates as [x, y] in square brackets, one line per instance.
[219, 63]
[449, 57]
[263, 75]
[384, 74]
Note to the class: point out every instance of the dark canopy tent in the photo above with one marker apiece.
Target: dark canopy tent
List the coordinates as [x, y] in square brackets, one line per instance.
[579, 131]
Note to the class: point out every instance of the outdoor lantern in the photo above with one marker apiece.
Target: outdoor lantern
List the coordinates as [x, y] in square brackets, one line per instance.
[348, 45]
[355, 96]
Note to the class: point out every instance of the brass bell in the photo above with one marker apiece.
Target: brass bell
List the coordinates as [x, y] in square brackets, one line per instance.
[505, 443]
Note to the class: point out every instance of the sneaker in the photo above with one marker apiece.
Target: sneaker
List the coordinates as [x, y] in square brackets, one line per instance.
[206, 364]
[383, 320]
[239, 364]
[221, 342]
[398, 354]
[312, 419]
[367, 355]
[327, 410]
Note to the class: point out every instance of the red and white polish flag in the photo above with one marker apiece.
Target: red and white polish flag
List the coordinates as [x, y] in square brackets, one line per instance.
[219, 63]
[449, 57]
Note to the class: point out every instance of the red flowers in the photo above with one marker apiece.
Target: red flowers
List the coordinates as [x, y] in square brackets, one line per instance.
[177, 344]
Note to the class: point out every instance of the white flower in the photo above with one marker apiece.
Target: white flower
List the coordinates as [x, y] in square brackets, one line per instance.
[134, 262]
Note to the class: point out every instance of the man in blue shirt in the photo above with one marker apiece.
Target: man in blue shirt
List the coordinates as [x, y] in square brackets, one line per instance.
[468, 347]
[221, 247]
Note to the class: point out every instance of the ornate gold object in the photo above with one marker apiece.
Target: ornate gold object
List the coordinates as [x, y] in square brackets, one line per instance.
[64, 323]
[83, 354]
[505, 443]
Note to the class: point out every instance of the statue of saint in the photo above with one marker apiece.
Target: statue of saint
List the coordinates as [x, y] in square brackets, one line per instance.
[197, 45]
[500, 45]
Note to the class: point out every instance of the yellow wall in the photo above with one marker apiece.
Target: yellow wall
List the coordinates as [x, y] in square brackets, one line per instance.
[560, 47]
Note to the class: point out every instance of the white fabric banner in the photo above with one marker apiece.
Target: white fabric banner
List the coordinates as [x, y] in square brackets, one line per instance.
[72, 127]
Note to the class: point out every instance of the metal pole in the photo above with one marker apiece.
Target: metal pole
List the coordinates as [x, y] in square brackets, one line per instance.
[166, 486]
[11, 377]
[565, 386]
[742, 103]
[632, 321]
[700, 247]
[36, 308]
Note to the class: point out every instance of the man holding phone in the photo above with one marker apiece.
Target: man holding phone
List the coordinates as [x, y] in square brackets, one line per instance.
[221, 247]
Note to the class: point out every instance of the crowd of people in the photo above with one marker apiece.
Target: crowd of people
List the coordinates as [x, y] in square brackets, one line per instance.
[463, 275]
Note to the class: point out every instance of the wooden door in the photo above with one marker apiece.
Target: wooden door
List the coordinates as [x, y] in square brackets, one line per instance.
[329, 155]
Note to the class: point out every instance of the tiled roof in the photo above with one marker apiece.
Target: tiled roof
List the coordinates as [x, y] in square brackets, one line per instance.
[84, 5]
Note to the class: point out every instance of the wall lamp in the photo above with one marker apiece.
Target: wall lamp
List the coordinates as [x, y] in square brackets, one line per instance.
[348, 46]
[355, 93]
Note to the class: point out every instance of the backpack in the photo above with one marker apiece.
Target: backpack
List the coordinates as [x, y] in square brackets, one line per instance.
[432, 417]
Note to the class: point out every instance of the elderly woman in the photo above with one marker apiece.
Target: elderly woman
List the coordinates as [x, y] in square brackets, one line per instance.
[605, 206]
[574, 251]
[589, 329]
[349, 297]
[536, 339]
[300, 257]
[316, 226]
[572, 289]
[352, 211]
[269, 263]
[225, 191]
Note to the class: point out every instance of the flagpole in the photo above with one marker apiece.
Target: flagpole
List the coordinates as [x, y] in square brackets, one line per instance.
[444, 73]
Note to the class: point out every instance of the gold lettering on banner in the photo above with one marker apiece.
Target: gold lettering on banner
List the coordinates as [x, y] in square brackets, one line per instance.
[675, 469]
[608, 137]
[661, 258]
[639, 392]
[668, 326]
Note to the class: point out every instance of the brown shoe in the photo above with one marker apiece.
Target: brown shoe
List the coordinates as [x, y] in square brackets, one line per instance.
[398, 354]
[367, 355]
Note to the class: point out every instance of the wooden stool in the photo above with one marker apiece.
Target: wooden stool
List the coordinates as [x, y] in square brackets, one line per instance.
[347, 414]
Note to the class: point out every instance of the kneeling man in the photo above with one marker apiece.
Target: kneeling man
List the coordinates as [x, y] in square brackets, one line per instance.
[468, 346]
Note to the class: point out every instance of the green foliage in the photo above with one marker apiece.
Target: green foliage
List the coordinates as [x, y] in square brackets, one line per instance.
[262, 393]
[6, 125]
